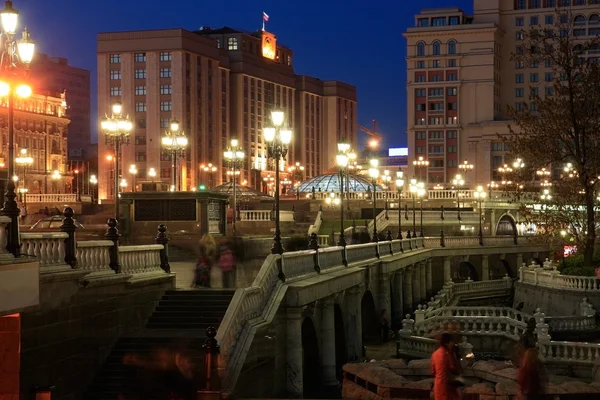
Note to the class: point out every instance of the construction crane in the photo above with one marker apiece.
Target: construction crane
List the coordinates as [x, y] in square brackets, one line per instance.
[374, 137]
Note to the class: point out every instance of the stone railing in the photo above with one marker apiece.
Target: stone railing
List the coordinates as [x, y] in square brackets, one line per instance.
[323, 240]
[316, 227]
[467, 241]
[481, 326]
[414, 346]
[505, 312]
[94, 256]
[432, 194]
[569, 352]
[571, 323]
[255, 215]
[140, 259]
[48, 247]
[552, 279]
[51, 198]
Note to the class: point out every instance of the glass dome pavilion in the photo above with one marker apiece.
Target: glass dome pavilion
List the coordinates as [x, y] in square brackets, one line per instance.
[331, 183]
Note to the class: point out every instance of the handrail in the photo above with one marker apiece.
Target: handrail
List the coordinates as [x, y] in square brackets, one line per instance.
[316, 227]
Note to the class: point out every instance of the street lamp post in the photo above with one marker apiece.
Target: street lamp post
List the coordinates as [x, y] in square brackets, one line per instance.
[152, 174]
[400, 187]
[56, 178]
[209, 169]
[133, 171]
[421, 193]
[234, 155]
[94, 183]
[374, 174]
[414, 188]
[466, 167]
[117, 129]
[419, 164]
[25, 162]
[342, 162]
[480, 196]
[14, 63]
[175, 141]
[277, 137]
[458, 182]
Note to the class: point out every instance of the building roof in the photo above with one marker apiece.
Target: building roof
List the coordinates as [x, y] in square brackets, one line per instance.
[331, 183]
[241, 191]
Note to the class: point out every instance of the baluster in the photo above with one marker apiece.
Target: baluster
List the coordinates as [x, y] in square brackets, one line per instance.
[113, 235]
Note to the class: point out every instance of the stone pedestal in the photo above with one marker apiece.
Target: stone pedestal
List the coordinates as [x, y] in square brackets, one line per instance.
[353, 325]
[294, 353]
[447, 270]
[485, 268]
[328, 342]
[10, 357]
[408, 296]
[397, 298]
[429, 278]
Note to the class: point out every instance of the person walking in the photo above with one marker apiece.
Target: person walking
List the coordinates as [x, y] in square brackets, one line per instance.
[531, 376]
[445, 369]
[227, 264]
[203, 266]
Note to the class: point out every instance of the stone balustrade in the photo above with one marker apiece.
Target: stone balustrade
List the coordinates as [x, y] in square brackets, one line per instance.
[443, 194]
[265, 215]
[323, 240]
[48, 247]
[414, 346]
[569, 352]
[94, 255]
[140, 259]
[481, 326]
[316, 227]
[571, 323]
[51, 198]
[550, 277]
[506, 312]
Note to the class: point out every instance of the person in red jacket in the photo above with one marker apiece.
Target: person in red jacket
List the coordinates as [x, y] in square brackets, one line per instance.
[445, 369]
[531, 376]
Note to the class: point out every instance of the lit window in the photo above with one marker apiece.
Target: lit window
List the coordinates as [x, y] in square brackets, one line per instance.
[140, 90]
[420, 49]
[140, 74]
[140, 57]
[436, 48]
[165, 106]
[140, 107]
[115, 58]
[165, 56]
[115, 91]
[164, 122]
[166, 89]
[165, 72]
[232, 43]
[452, 47]
[115, 75]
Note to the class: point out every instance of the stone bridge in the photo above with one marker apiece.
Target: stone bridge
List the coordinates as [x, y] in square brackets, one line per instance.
[307, 313]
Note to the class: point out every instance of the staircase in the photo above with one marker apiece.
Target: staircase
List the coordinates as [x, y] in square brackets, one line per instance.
[178, 325]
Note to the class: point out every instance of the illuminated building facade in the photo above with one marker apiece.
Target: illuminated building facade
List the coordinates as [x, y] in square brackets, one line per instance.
[460, 79]
[220, 84]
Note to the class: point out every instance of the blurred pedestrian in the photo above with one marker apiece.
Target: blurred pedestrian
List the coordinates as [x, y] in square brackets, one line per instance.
[531, 376]
[202, 269]
[446, 370]
[227, 263]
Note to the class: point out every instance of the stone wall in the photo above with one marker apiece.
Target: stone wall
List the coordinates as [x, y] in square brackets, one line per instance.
[64, 343]
[552, 301]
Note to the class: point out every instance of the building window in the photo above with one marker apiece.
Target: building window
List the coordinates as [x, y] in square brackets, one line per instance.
[454, 20]
[451, 134]
[164, 122]
[536, 3]
[519, 35]
[140, 107]
[115, 91]
[452, 77]
[533, 107]
[165, 56]
[535, 64]
[534, 77]
[452, 106]
[519, 64]
[533, 20]
[423, 22]
[436, 77]
[436, 92]
[140, 57]
[451, 91]
[438, 21]
[140, 90]
[232, 43]
[436, 149]
[420, 107]
[436, 64]
[451, 62]
[519, 78]
[535, 92]
[436, 135]
[420, 135]
[520, 5]
[549, 91]
[549, 76]
[420, 93]
[519, 92]
[519, 21]
[115, 75]
[519, 106]
[452, 149]
[165, 172]
[549, 19]
[452, 47]
[140, 74]
[165, 72]
[115, 58]
[165, 106]
[420, 121]
[140, 155]
[141, 123]
[550, 3]
[420, 64]
[436, 48]
[436, 121]
[420, 149]
[420, 49]
[420, 78]
[166, 89]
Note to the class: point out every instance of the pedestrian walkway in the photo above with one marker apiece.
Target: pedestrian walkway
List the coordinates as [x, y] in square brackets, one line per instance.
[184, 273]
[381, 351]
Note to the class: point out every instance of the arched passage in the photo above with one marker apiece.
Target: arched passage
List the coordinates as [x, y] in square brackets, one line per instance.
[311, 365]
[506, 226]
[341, 349]
[370, 323]
[467, 270]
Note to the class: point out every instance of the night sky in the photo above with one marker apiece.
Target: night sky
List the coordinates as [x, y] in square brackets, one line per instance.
[358, 42]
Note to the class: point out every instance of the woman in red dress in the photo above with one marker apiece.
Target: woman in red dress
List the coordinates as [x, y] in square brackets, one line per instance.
[445, 368]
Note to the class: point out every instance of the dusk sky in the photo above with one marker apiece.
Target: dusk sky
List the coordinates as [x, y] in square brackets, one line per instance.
[355, 41]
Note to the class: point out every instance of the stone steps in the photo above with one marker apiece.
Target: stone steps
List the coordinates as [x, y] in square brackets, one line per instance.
[178, 326]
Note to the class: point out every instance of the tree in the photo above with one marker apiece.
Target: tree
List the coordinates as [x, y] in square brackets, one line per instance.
[560, 123]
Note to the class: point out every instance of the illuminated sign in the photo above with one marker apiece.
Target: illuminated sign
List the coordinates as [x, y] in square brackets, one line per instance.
[398, 152]
[269, 47]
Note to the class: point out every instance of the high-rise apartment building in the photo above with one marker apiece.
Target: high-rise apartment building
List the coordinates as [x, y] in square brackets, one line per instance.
[461, 76]
[220, 84]
[54, 74]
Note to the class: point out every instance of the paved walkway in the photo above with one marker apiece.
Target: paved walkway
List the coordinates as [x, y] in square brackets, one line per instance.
[381, 351]
[184, 275]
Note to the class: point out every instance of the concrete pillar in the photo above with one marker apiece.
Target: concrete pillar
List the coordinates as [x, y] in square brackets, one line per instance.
[398, 315]
[416, 275]
[294, 353]
[429, 278]
[447, 270]
[408, 296]
[328, 342]
[353, 323]
[385, 298]
[485, 268]
[424, 292]
[492, 222]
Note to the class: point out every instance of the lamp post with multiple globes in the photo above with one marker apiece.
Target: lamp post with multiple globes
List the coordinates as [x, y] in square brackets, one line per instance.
[420, 163]
[480, 196]
[277, 138]
[117, 129]
[234, 156]
[400, 187]
[14, 63]
[94, 183]
[152, 174]
[374, 174]
[458, 182]
[176, 142]
[24, 161]
[56, 178]
[133, 171]
[342, 162]
[466, 167]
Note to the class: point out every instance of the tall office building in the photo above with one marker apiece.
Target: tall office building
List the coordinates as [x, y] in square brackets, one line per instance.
[461, 77]
[54, 74]
[220, 84]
